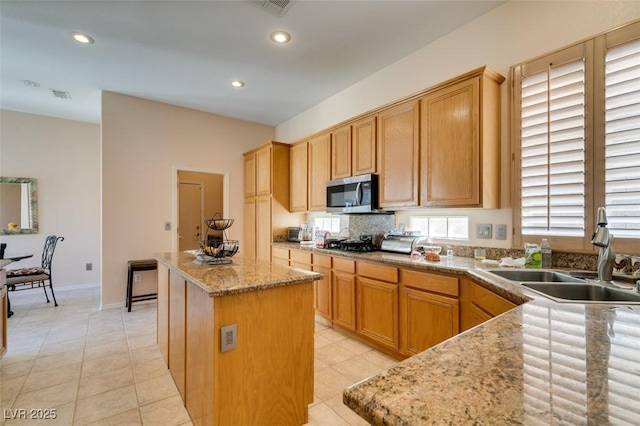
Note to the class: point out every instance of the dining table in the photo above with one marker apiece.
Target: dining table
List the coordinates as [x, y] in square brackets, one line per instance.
[15, 257]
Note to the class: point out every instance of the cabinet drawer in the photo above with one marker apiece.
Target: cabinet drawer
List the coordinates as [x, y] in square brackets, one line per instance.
[430, 282]
[300, 257]
[379, 272]
[345, 265]
[489, 301]
[280, 253]
[322, 260]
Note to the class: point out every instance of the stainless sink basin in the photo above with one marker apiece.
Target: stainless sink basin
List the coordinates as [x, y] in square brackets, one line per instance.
[535, 275]
[584, 292]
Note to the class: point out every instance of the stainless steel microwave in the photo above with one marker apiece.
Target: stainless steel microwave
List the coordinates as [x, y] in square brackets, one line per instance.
[356, 194]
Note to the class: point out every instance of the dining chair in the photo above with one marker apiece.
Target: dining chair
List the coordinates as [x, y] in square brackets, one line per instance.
[33, 277]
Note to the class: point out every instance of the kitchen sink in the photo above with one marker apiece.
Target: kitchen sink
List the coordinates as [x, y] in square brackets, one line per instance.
[584, 292]
[535, 275]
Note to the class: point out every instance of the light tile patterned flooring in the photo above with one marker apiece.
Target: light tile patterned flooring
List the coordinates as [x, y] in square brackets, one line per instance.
[104, 367]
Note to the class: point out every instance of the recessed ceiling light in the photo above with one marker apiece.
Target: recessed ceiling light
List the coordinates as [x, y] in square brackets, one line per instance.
[280, 37]
[30, 83]
[237, 83]
[82, 38]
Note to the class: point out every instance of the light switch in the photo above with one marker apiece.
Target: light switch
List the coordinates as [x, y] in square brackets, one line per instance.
[483, 230]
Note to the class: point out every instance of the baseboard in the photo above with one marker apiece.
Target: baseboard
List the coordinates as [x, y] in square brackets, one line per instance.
[76, 286]
[123, 304]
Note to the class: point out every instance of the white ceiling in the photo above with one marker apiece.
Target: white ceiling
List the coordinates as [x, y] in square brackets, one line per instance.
[187, 52]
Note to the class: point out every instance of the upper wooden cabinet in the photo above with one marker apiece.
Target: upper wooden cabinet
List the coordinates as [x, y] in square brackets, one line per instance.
[319, 171]
[398, 150]
[363, 146]
[299, 171]
[341, 152]
[250, 175]
[460, 143]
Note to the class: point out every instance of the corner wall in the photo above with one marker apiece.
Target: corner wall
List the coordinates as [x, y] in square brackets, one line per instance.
[144, 143]
[64, 156]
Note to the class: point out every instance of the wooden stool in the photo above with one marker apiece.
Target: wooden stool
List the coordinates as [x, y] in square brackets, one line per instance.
[134, 266]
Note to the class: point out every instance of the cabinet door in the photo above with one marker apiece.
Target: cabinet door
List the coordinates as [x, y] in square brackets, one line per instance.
[427, 319]
[341, 152]
[163, 311]
[250, 175]
[377, 310]
[344, 299]
[263, 171]
[249, 248]
[298, 179]
[319, 171]
[177, 331]
[363, 146]
[450, 145]
[478, 316]
[263, 228]
[323, 292]
[398, 144]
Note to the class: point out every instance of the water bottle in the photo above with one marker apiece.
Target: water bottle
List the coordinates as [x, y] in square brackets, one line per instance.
[545, 247]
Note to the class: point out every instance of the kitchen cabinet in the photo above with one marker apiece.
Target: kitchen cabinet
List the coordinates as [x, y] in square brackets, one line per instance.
[280, 256]
[266, 202]
[319, 171]
[3, 312]
[299, 177]
[177, 331]
[460, 143]
[341, 152]
[344, 293]
[300, 259]
[377, 304]
[322, 288]
[430, 310]
[398, 151]
[162, 312]
[480, 304]
[363, 146]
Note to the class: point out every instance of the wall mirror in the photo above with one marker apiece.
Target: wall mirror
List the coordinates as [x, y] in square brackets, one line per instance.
[18, 206]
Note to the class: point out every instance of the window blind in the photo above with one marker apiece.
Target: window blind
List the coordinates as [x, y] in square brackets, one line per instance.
[622, 139]
[553, 150]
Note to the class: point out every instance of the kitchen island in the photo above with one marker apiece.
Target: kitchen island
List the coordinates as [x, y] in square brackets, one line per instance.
[237, 338]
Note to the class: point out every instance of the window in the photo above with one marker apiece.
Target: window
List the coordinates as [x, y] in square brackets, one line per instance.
[331, 224]
[456, 227]
[576, 142]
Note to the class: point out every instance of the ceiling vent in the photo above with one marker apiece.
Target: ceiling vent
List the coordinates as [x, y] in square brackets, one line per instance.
[61, 94]
[274, 7]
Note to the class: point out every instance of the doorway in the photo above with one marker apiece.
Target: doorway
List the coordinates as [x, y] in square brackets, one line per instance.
[200, 197]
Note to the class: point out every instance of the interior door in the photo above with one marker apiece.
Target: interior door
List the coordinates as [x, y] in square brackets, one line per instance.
[190, 215]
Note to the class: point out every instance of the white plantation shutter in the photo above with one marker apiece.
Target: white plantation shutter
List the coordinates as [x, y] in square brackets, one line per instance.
[622, 139]
[553, 151]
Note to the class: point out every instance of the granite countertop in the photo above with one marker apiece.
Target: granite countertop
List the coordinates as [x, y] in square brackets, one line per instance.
[240, 276]
[540, 363]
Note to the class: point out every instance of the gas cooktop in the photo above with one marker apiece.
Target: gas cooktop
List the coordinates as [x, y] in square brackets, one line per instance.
[362, 245]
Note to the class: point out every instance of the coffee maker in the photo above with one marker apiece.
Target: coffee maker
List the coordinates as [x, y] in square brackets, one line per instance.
[306, 233]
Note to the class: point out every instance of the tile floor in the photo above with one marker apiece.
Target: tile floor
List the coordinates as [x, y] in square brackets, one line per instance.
[104, 367]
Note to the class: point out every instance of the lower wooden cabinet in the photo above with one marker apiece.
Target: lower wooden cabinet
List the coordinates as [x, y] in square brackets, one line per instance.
[163, 311]
[322, 288]
[480, 304]
[280, 256]
[344, 293]
[177, 333]
[427, 319]
[377, 310]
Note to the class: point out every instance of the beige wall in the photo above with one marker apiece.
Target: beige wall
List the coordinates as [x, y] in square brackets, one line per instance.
[509, 34]
[64, 156]
[144, 144]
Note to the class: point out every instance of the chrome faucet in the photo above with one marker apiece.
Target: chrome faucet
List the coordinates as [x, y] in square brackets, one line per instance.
[604, 241]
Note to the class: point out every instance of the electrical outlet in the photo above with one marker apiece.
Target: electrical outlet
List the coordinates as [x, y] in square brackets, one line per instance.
[136, 278]
[501, 232]
[167, 226]
[89, 266]
[228, 337]
[483, 230]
